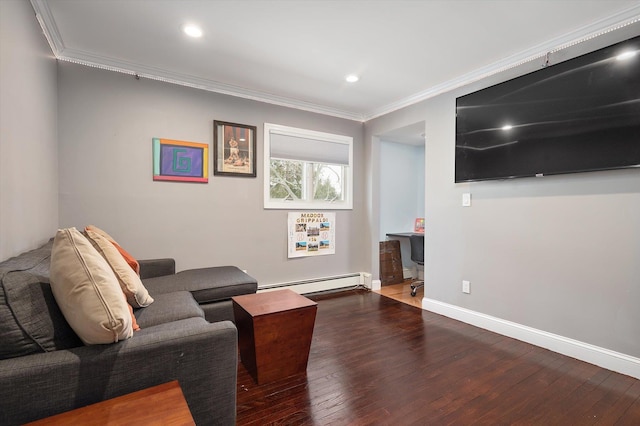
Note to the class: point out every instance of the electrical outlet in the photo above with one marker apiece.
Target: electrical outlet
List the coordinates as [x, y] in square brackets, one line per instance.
[466, 287]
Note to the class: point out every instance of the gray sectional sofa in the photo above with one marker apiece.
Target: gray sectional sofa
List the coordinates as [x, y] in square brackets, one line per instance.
[187, 334]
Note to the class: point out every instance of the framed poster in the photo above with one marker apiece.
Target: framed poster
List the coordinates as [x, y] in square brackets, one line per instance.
[234, 149]
[311, 234]
[180, 161]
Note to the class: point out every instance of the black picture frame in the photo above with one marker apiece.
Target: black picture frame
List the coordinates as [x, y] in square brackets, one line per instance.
[234, 149]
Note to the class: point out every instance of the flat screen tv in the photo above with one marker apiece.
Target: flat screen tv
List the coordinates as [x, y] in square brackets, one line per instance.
[579, 115]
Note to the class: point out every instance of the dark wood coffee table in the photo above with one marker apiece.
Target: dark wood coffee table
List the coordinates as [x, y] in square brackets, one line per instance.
[275, 329]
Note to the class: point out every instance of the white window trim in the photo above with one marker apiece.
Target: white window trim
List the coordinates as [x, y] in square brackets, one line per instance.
[347, 204]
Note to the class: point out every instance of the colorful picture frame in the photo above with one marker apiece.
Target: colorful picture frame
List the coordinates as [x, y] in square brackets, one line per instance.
[180, 161]
[234, 149]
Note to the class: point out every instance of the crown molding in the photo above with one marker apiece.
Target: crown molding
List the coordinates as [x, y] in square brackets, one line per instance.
[153, 73]
[48, 25]
[63, 53]
[622, 19]
[595, 29]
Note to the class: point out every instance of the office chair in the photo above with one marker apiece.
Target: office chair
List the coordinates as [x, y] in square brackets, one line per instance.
[417, 256]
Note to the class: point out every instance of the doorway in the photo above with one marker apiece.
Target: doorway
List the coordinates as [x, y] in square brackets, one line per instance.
[402, 186]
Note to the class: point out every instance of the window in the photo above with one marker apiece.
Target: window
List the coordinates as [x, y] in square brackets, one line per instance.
[305, 169]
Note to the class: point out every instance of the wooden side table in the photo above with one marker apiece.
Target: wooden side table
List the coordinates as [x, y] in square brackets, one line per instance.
[275, 329]
[158, 405]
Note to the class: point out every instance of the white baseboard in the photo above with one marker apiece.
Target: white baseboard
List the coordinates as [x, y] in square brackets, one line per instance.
[407, 273]
[317, 284]
[592, 354]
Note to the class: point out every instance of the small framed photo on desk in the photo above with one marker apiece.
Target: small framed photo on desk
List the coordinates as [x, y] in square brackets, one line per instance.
[419, 225]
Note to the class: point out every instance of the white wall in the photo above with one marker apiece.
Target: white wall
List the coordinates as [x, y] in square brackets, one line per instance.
[559, 254]
[28, 132]
[107, 121]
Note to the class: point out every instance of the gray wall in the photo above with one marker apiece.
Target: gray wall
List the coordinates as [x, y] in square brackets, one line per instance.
[107, 121]
[28, 132]
[559, 254]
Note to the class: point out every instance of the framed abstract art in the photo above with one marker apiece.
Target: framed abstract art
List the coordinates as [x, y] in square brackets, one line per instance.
[180, 161]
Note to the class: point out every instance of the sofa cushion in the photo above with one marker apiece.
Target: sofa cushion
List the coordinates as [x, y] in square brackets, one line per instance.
[183, 324]
[125, 254]
[30, 320]
[150, 268]
[137, 294]
[87, 291]
[34, 261]
[206, 284]
[168, 307]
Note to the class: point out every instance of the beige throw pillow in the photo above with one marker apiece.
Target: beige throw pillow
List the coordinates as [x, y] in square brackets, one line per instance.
[87, 290]
[127, 256]
[137, 295]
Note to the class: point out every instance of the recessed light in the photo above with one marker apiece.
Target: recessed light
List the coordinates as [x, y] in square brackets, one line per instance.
[352, 78]
[192, 30]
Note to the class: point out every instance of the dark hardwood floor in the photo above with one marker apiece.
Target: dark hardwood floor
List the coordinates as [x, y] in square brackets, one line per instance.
[377, 361]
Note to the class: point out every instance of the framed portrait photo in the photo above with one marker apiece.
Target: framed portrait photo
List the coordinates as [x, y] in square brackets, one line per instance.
[234, 149]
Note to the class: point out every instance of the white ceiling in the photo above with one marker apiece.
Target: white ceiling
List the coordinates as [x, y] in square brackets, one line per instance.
[297, 53]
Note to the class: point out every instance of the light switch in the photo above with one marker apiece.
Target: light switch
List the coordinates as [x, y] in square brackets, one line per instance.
[466, 199]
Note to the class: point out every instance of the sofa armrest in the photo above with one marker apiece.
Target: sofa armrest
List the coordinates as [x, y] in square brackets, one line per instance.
[150, 268]
[200, 355]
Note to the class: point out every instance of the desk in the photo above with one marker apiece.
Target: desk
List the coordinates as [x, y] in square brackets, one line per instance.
[395, 255]
[403, 234]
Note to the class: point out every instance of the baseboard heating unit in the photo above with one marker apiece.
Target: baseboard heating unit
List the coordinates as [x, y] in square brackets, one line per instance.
[317, 285]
